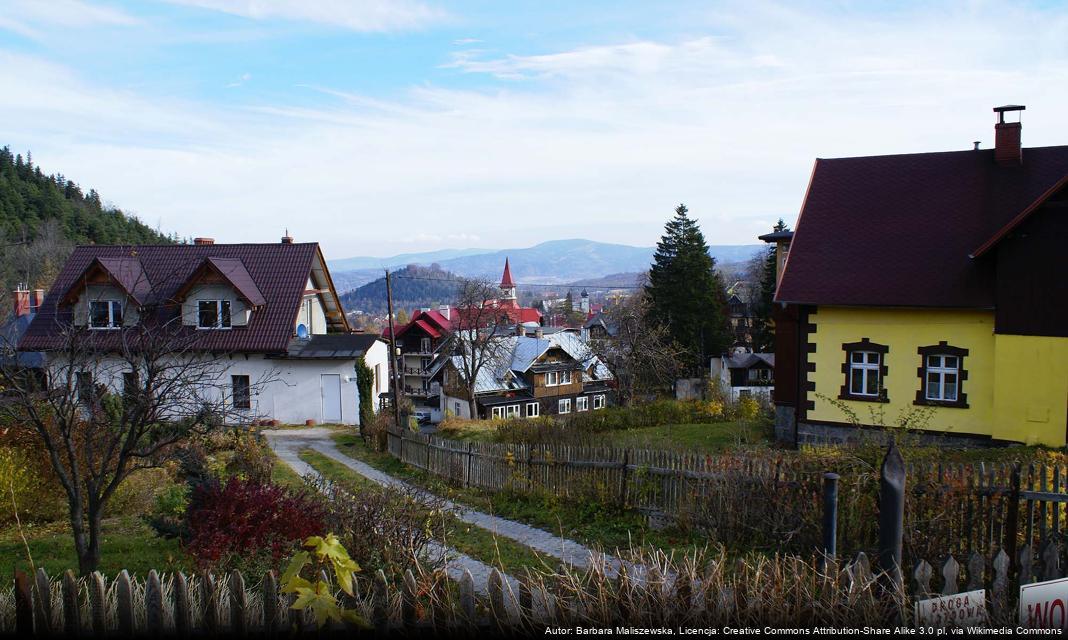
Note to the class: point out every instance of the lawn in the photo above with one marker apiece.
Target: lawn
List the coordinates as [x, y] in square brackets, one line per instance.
[714, 436]
[589, 522]
[128, 543]
[476, 542]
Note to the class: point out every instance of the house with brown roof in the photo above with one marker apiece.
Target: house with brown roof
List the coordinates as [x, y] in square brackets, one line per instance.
[928, 291]
[268, 311]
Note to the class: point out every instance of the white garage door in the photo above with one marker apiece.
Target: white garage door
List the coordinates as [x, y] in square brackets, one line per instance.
[331, 389]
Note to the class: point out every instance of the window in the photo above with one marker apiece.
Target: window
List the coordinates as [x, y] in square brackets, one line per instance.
[498, 413]
[213, 314]
[556, 378]
[512, 411]
[582, 403]
[942, 375]
[865, 371]
[456, 408]
[424, 345]
[598, 402]
[563, 406]
[378, 378]
[83, 382]
[105, 314]
[130, 384]
[533, 409]
[242, 392]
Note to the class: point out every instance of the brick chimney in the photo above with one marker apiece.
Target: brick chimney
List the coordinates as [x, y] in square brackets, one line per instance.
[203, 240]
[287, 239]
[1007, 149]
[36, 299]
[20, 301]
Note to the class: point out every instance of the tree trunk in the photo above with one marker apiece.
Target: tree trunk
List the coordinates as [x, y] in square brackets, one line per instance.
[472, 403]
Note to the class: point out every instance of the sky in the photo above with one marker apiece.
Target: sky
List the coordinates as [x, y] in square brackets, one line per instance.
[378, 127]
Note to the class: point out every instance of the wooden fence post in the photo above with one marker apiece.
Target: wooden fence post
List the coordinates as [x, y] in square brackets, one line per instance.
[1000, 585]
[467, 467]
[950, 576]
[891, 515]
[183, 612]
[467, 598]
[270, 603]
[42, 604]
[921, 579]
[380, 606]
[495, 586]
[124, 602]
[1012, 530]
[153, 605]
[830, 514]
[98, 604]
[409, 594]
[623, 479]
[1026, 575]
[238, 604]
[72, 619]
[209, 610]
[23, 605]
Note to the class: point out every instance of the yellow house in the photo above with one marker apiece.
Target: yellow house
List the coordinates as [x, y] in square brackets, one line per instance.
[928, 291]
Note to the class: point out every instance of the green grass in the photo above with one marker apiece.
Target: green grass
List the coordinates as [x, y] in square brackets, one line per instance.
[474, 541]
[283, 474]
[715, 436]
[128, 543]
[587, 521]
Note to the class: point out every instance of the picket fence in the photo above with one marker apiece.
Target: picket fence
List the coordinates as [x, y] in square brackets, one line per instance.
[186, 606]
[951, 508]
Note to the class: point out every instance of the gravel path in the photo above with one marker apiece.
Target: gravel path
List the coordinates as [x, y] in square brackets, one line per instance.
[320, 439]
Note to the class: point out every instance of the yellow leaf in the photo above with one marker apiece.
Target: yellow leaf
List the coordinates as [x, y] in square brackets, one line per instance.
[293, 570]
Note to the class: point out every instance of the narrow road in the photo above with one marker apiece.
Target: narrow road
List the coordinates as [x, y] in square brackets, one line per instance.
[291, 441]
[288, 444]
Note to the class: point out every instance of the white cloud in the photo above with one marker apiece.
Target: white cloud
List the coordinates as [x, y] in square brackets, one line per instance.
[29, 17]
[357, 15]
[597, 142]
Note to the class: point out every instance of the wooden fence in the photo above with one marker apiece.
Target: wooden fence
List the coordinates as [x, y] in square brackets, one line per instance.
[721, 592]
[769, 498]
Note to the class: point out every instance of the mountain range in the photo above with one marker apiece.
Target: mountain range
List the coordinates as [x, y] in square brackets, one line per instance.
[553, 262]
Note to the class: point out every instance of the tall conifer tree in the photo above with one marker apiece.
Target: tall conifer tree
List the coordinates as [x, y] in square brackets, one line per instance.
[686, 293]
[763, 327]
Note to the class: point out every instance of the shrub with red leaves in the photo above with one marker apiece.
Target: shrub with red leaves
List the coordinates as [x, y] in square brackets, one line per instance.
[248, 525]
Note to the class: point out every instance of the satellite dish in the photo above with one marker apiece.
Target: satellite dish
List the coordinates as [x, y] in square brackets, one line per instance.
[302, 331]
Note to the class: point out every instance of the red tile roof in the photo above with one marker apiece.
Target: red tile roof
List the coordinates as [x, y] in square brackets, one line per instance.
[506, 279]
[899, 230]
[278, 271]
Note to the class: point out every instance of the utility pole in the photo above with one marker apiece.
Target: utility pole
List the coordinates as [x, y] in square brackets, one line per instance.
[393, 354]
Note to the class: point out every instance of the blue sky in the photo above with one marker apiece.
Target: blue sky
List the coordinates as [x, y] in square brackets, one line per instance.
[378, 127]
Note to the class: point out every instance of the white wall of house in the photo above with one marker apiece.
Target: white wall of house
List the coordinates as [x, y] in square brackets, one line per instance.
[311, 314]
[239, 310]
[98, 292]
[457, 407]
[377, 359]
[288, 390]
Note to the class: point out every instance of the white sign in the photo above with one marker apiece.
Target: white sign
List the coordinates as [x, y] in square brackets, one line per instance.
[957, 610]
[1044, 605]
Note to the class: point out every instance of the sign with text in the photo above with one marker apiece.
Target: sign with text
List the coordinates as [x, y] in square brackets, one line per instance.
[1044, 605]
[957, 610]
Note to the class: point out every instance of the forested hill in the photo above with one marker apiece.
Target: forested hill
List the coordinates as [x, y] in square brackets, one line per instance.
[413, 287]
[43, 216]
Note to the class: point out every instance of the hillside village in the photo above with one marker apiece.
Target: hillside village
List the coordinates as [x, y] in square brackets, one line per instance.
[853, 419]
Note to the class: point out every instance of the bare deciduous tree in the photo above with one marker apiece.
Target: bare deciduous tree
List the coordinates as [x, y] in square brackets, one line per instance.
[639, 353]
[114, 403]
[478, 332]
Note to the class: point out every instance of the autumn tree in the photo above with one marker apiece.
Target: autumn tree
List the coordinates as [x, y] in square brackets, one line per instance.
[479, 330]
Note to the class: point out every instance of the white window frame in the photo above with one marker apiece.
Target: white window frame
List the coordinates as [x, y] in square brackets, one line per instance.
[565, 377]
[941, 370]
[497, 412]
[865, 369]
[563, 405]
[113, 305]
[552, 379]
[582, 403]
[218, 314]
[598, 401]
[512, 411]
[536, 406]
[424, 345]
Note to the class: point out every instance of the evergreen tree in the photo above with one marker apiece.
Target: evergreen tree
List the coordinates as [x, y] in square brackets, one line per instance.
[762, 305]
[686, 293]
[364, 385]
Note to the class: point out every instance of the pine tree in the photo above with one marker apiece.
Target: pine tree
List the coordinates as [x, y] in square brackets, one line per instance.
[686, 293]
[763, 327]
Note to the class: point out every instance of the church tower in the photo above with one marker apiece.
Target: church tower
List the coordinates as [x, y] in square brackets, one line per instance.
[508, 298]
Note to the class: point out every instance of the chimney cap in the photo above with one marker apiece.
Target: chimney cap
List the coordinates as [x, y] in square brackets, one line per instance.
[203, 240]
[1008, 108]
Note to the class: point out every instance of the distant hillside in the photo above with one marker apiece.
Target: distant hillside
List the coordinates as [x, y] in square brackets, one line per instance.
[413, 287]
[557, 261]
[43, 216]
[612, 280]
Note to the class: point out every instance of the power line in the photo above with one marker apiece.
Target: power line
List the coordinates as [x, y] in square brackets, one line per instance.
[527, 284]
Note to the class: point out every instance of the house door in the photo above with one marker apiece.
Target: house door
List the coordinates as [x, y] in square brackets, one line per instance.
[330, 384]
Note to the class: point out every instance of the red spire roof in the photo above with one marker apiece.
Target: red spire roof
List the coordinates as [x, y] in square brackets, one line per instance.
[506, 280]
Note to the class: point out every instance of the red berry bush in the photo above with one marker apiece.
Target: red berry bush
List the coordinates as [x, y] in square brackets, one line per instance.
[248, 524]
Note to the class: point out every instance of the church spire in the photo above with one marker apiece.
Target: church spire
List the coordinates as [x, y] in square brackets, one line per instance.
[507, 286]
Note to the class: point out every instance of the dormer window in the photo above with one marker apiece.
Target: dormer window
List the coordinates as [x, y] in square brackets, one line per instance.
[213, 314]
[105, 314]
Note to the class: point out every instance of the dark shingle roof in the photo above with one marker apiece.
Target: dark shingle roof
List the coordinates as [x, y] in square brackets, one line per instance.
[899, 230]
[278, 271]
[340, 345]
